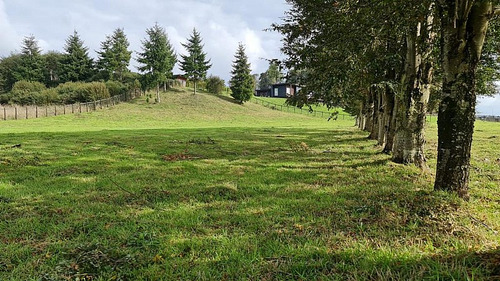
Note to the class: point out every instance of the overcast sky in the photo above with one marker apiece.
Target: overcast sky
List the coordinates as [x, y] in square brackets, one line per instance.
[222, 24]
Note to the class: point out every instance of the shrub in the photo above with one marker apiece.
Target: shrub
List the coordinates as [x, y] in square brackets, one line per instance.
[92, 92]
[26, 93]
[21, 87]
[72, 92]
[116, 88]
[215, 85]
[49, 96]
[68, 92]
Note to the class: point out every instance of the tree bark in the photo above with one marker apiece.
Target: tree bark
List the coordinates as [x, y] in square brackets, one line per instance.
[390, 116]
[374, 110]
[380, 91]
[465, 24]
[158, 93]
[412, 108]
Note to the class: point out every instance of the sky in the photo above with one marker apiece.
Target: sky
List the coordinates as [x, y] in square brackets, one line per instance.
[222, 24]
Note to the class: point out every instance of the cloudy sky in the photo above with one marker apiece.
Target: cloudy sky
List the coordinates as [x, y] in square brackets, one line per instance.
[222, 23]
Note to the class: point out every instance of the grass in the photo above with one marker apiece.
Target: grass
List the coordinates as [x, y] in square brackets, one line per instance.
[318, 107]
[199, 188]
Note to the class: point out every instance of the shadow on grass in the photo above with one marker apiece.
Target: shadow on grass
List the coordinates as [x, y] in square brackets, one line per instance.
[249, 205]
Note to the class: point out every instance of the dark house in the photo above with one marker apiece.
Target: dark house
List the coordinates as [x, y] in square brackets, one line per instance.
[282, 90]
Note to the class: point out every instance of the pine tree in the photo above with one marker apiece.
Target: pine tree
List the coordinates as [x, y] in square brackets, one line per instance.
[31, 65]
[195, 64]
[242, 83]
[157, 58]
[76, 63]
[114, 56]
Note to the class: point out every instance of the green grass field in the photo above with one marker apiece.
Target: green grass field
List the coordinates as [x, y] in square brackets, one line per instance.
[200, 188]
[282, 101]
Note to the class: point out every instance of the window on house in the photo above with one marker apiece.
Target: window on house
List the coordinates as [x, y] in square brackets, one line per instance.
[276, 92]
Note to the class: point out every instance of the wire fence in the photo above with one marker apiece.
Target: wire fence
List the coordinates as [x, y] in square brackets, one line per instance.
[294, 109]
[16, 112]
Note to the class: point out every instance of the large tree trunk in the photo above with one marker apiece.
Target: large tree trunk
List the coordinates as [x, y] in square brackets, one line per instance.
[158, 93]
[410, 136]
[464, 30]
[390, 119]
[374, 112]
[380, 92]
[368, 113]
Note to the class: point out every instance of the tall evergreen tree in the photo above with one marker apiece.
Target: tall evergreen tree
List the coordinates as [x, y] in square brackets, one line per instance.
[114, 56]
[53, 60]
[157, 58]
[31, 67]
[76, 63]
[242, 82]
[195, 65]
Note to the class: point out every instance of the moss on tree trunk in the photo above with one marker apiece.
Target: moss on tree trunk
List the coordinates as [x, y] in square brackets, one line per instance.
[464, 31]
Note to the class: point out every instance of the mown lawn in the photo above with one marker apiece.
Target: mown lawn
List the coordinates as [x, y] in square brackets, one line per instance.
[217, 191]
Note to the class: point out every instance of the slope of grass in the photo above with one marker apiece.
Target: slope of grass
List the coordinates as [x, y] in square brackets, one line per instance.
[179, 109]
[318, 107]
[199, 188]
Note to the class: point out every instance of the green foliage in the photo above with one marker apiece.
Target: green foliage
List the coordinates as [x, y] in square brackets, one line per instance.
[32, 64]
[157, 58]
[22, 87]
[195, 65]
[73, 92]
[93, 91]
[76, 63]
[241, 83]
[116, 88]
[31, 93]
[114, 56]
[215, 85]
[53, 68]
[7, 71]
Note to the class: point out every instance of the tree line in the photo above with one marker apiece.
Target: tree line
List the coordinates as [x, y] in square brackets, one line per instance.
[32, 77]
[391, 62]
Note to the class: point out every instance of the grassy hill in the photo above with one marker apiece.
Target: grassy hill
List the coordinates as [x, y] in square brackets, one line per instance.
[200, 188]
[179, 109]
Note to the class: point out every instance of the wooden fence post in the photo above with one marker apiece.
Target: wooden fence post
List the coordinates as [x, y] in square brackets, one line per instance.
[80, 105]
[4, 113]
[55, 110]
[15, 112]
[46, 111]
[26, 112]
[36, 111]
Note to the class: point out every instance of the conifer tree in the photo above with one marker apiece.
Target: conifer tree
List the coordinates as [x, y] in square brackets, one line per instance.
[32, 63]
[241, 83]
[157, 58]
[114, 56]
[76, 63]
[195, 65]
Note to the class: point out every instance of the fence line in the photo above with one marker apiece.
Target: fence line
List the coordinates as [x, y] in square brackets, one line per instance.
[293, 109]
[35, 111]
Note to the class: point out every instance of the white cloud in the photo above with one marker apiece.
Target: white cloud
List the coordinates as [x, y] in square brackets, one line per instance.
[10, 39]
[222, 24]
